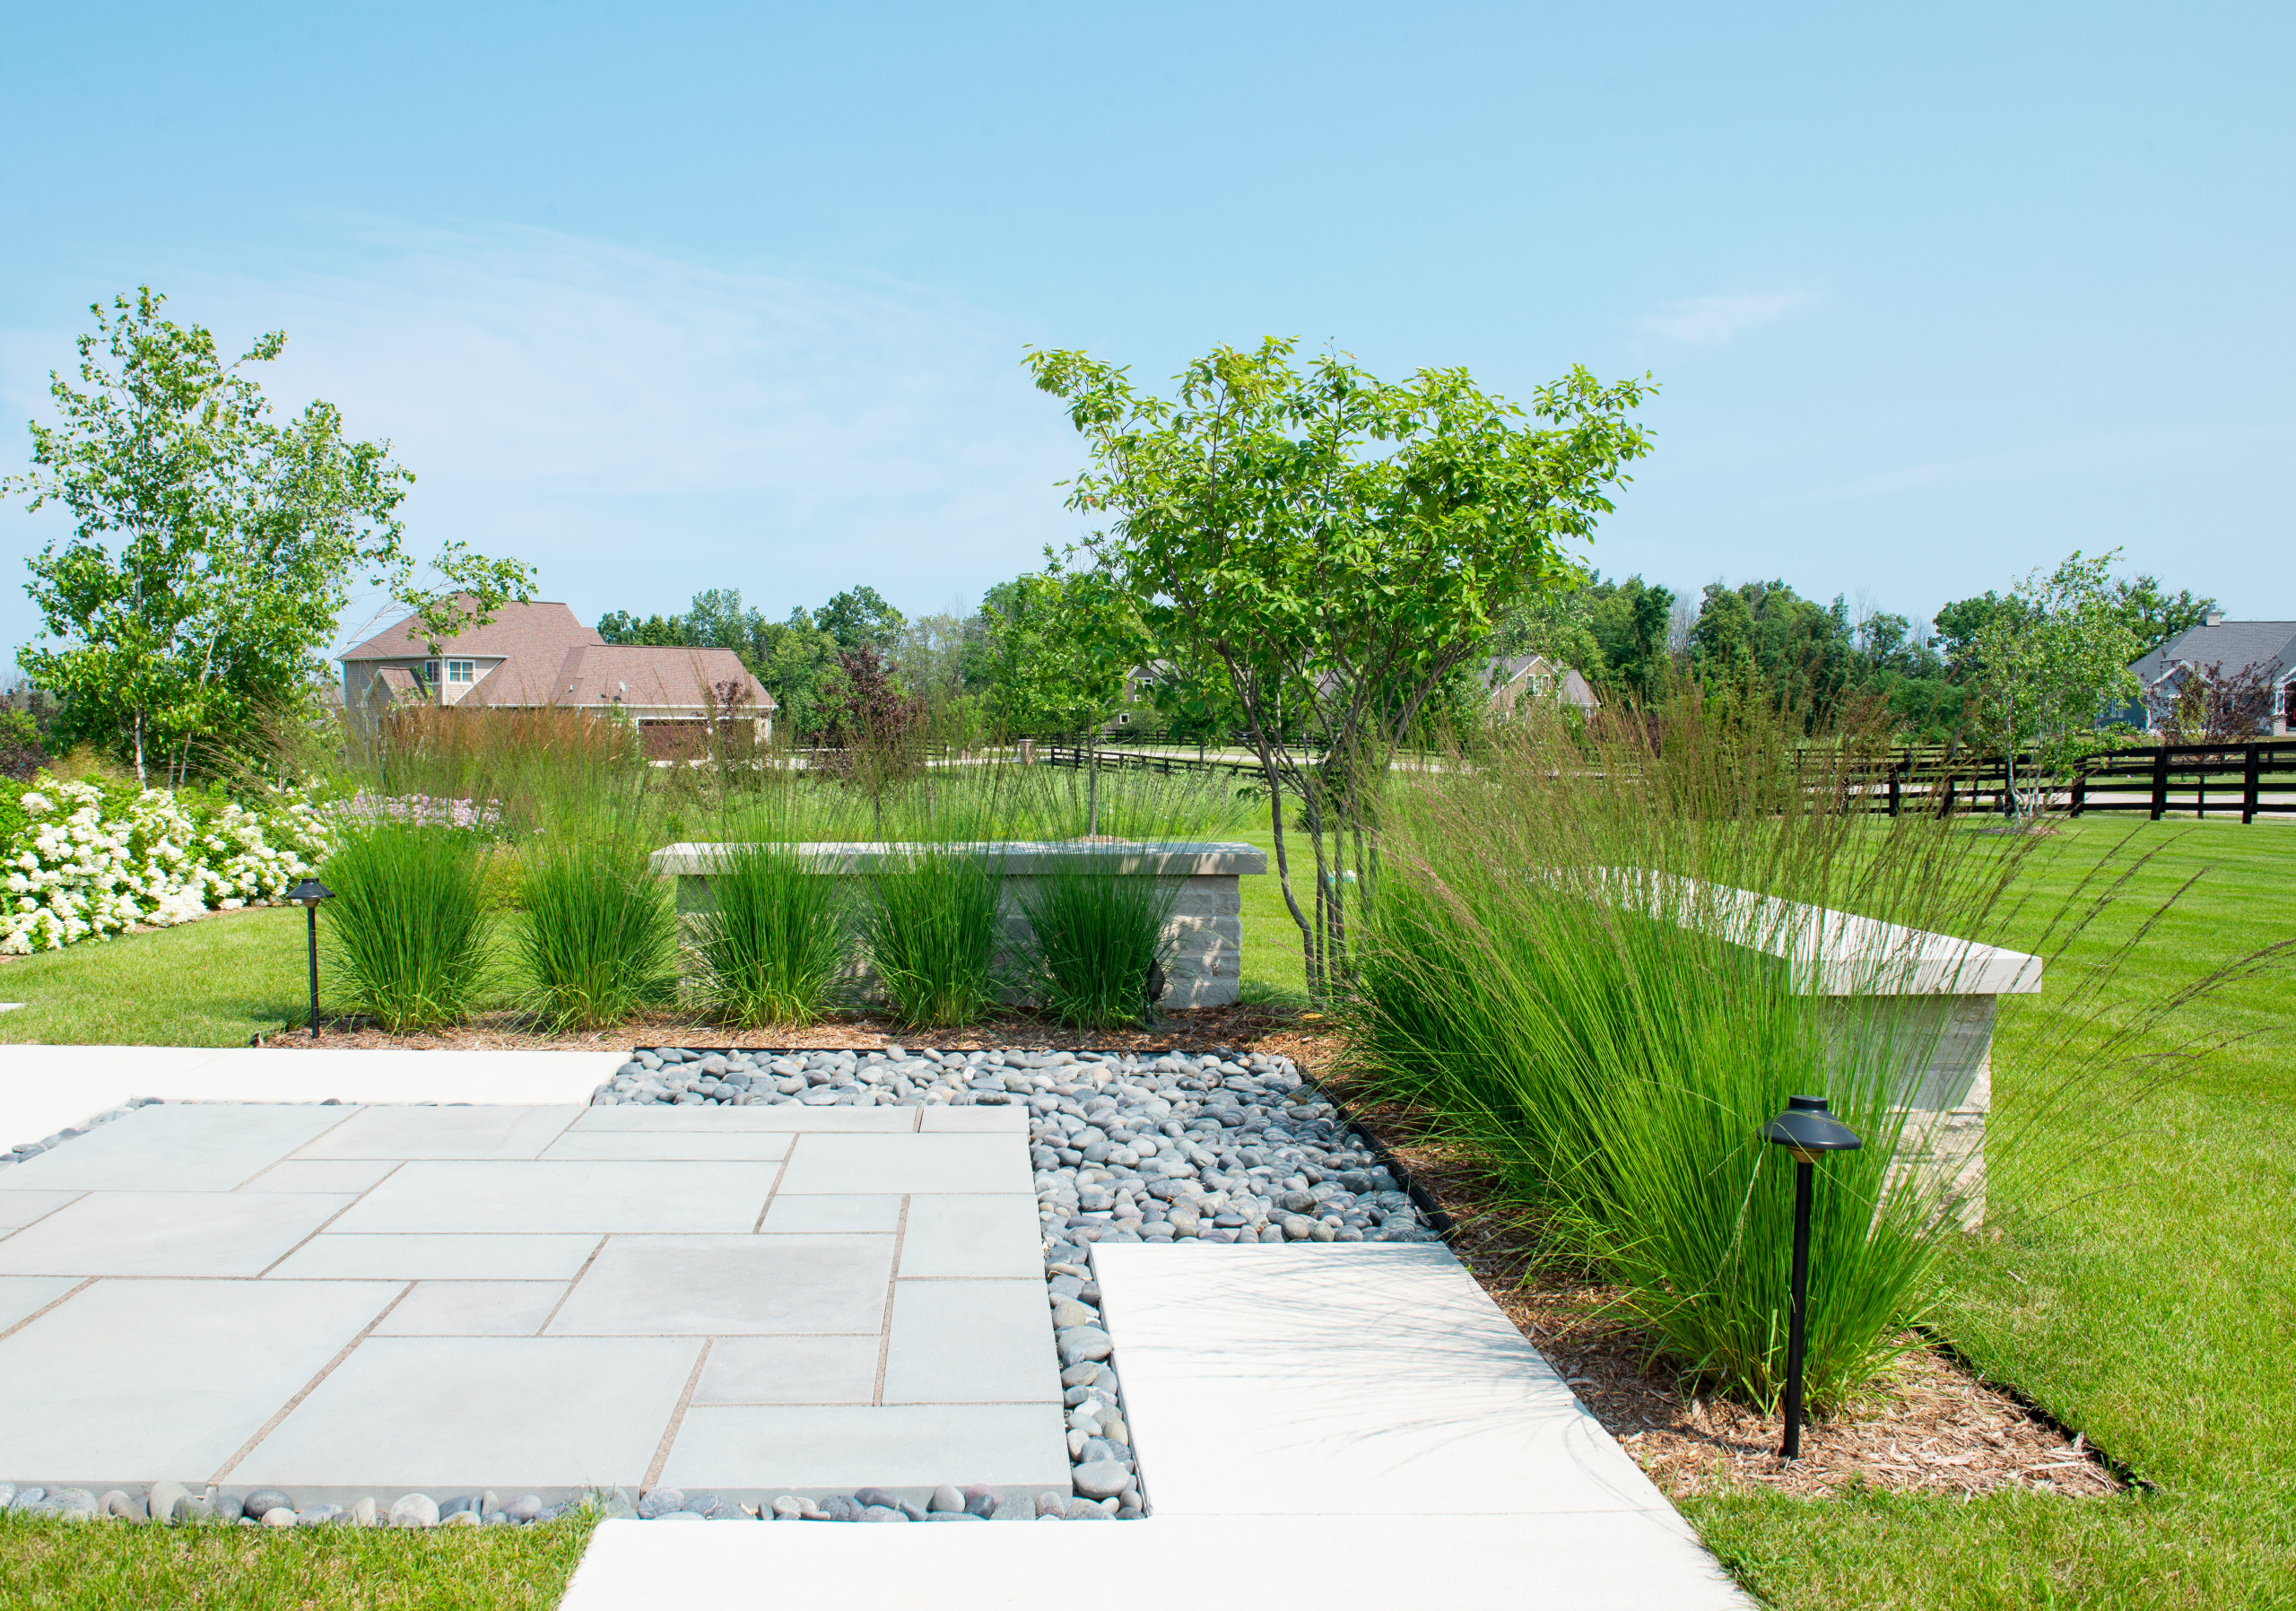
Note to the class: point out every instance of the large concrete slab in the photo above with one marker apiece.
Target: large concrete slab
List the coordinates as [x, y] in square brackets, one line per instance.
[167, 1233]
[603, 1197]
[730, 1285]
[511, 1414]
[1614, 1561]
[1371, 1379]
[133, 1380]
[166, 1147]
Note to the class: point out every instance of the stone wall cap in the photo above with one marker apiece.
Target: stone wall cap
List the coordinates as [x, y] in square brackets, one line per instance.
[1165, 858]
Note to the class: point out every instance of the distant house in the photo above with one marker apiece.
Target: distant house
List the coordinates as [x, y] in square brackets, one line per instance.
[2269, 646]
[539, 655]
[1512, 678]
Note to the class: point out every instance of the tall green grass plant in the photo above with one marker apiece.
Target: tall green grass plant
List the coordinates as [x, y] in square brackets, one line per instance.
[931, 928]
[774, 945]
[1589, 959]
[1096, 936]
[600, 939]
[407, 929]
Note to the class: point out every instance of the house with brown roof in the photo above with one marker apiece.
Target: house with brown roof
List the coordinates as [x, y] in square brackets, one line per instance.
[539, 654]
[1509, 679]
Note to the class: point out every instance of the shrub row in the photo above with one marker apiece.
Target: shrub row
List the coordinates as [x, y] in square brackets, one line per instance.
[600, 938]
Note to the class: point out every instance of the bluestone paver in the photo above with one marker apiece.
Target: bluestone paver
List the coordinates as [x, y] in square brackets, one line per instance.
[175, 1147]
[473, 1256]
[22, 1208]
[133, 1380]
[449, 1132]
[465, 1413]
[790, 1370]
[980, 1235]
[730, 1285]
[971, 1342]
[167, 1233]
[834, 1212]
[908, 1448]
[671, 1145]
[23, 1295]
[604, 1197]
[907, 1163]
[473, 1309]
[352, 1175]
[784, 1121]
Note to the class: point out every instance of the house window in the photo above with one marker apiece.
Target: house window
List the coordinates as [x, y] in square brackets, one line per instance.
[462, 671]
[430, 671]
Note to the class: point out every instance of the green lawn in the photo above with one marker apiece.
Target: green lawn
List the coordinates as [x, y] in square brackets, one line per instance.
[215, 982]
[111, 1566]
[2143, 1289]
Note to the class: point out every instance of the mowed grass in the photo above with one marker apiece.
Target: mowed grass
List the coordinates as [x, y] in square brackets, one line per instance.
[2140, 1284]
[107, 1566]
[213, 982]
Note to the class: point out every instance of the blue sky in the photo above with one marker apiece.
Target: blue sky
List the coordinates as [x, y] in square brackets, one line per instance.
[661, 299]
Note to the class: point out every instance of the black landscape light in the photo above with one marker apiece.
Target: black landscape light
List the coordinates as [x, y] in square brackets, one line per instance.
[308, 895]
[1805, 1129]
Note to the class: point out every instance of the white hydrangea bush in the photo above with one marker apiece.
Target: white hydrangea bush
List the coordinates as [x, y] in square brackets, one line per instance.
[89, 862]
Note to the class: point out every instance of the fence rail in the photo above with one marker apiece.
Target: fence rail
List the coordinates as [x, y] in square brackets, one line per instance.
[2254, 780]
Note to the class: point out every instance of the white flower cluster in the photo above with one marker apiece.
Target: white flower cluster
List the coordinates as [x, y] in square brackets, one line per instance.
[84, 867]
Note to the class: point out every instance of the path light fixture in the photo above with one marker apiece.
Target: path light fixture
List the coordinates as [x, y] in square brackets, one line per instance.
[308, 895]
[1807, 1130]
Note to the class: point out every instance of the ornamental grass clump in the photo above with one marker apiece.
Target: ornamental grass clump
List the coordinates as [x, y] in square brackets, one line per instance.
[407, 928]
[1588, 960]
[1096, 940]
[775, 944]
[930, 926]
[600, 939]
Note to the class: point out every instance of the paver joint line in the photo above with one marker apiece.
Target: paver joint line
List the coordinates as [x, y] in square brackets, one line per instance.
[677, 1416]
[544, 1329]
[892, 1286]
[349, 1113]
[8, 1332]
[288, 1408]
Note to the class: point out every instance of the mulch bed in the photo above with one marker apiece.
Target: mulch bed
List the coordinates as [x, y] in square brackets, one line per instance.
[1934, 1427]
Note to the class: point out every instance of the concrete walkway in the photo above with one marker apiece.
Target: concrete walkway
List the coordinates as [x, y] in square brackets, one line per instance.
[1344, 1425]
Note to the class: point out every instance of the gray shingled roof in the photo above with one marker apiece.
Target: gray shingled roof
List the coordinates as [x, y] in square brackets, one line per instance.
[2233, 644]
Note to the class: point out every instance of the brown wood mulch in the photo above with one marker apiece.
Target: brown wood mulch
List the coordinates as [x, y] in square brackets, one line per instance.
[1932, 1427]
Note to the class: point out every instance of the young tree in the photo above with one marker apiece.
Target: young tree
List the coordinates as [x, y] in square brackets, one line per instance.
[213, 547]
[1058, 645]
[1338, 544]
[2050, 663]
[2207, 704]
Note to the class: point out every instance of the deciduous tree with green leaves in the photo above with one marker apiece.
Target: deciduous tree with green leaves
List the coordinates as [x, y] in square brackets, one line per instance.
[2049, 668]
[213, 547]
[1337, 543]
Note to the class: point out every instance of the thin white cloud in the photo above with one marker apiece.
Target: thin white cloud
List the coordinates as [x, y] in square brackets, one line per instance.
[1712, 321]
[640, 427]
[2106, 451]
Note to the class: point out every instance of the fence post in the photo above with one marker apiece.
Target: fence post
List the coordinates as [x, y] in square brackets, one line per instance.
[1895, 767]
[2251, 782]
[2160, 781]
[2080, 785]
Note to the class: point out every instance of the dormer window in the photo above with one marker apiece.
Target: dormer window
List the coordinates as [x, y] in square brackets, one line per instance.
[462, 671]
[431, 672]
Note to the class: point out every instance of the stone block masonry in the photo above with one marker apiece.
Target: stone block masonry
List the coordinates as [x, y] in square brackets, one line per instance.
[1205, 929]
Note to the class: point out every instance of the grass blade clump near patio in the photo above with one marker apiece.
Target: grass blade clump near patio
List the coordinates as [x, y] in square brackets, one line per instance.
[930, 925]
[774, 944]
[407, 929]
[1096, 933]
[600, 940]
[1549, 972]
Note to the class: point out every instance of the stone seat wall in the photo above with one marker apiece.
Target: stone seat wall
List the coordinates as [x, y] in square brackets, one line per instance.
[1207, 927]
